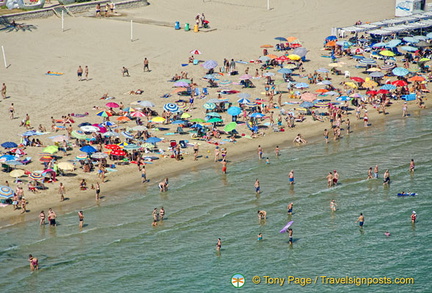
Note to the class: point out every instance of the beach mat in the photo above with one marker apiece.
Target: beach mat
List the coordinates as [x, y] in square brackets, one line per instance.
[54, 73]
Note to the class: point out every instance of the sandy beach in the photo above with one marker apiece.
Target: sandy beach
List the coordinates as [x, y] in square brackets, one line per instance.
[238, 29]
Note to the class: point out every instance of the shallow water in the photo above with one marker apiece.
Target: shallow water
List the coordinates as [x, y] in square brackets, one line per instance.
[119, 251]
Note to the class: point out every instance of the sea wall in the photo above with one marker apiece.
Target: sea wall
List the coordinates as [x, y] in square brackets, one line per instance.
[75, 8]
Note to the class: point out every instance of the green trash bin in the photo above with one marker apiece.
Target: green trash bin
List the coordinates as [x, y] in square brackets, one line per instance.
[187, 27]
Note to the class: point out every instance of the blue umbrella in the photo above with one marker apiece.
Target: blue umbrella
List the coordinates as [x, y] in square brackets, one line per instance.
[6, 158]
[171, 107]
[243, 95]
[376, 74]
[84, 124]
[409, 48]
[6, 192]
[379, 45]
[256, 115]
[15, 163]
[9, 145]
[243, 101]
[88, 149]
[324, 70]
[331, 93]
[326, 82]
[285, 71]
[153, 139]
[343, 98]
[358, 57]
[210, 76]
[178, 122]
[367, 61]
[127, 135]
[282, 39]
[400, 71]
[411, 40]
[301, 85]
[234, 111]
[209, 64]
[345, 44]
[306, 105]
[388, 87]
[196, 126]
[331, 38]
[29, 133]
[393, 43]
[264, 58]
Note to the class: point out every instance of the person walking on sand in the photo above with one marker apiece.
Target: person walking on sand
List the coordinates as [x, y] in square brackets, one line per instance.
[146, 65]
[86, 72]
[62, 191]
[196, 149]
[81, 218]
[23, 204]
[34, 263]
[79, 73]
[11, 111]
[3, 91]
[125, 71]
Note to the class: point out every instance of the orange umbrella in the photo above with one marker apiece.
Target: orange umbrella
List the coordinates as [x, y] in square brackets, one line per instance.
[417, 78]
[272, 56]
[291, 39]
[321, 91]
[266, 46]
[123, 119]
[331, 44]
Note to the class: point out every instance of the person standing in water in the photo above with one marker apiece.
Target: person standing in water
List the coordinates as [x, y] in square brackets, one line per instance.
[161, 213]
[34, 263]
[376, 171]
[260, 237]
[219, 244]
[277, 151]
[360, 220]
[413, 217]
[412, 166]
[81, 218]
[290, 208]
[257, 186]
[260, 152]
[290, 235]
[291, 177]
[333, 205]
[386, 177]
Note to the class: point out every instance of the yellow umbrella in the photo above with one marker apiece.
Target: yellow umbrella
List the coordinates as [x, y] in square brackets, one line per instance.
[372, 69]
[185, 115]
[294, 57]
[66, 166]
[351, 84]
[290, 66]
[387, 53]
[158, 119]
[369, 84]
[16, 173]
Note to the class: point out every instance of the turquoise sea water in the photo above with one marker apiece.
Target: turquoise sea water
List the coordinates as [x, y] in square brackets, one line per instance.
[119, 251]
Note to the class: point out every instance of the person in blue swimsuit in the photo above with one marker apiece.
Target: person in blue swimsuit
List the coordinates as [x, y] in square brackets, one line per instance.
[260, 237]
[257, 186]
[290, 208]
[360, 220]
[291, 177]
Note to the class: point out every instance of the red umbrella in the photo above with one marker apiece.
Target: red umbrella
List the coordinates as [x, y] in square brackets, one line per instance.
[372, 93]
[358, 79]
[282, 58]
[118, 153]
[383, 91]
[45, 159]
[112, 147]
[137, 114]
[399, 83]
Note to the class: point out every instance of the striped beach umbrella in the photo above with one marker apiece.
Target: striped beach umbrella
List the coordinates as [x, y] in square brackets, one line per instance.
[36, 176]
[6, 192]
[400, 71]
[209, 106]
[171, 107]
[209, 64]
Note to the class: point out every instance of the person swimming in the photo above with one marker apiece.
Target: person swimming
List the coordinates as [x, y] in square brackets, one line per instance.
[260, 237]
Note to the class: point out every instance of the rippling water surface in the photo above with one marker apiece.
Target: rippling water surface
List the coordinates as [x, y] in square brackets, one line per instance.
[119, 251]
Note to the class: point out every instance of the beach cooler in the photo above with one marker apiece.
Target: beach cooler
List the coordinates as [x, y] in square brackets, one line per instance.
[196, 28]
[177, 25]
[187, 27]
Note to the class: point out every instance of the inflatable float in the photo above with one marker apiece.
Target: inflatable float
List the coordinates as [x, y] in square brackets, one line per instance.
[32, 5]
[407, 194]
[285, 229]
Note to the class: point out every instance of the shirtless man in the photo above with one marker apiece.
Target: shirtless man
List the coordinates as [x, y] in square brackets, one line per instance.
[330, 179]
[219, 244]
[262, 215]
[11, 111]
[161, 213]
[86, 72]
[125, 71]
[290, 235]
[97, 189]
[81, 218]
[386, 177]
[146, 65]
[376, 171]
[155, 215]
[290, 208]
[224, 167]
[257, 186]
[216, 154]
[34, 263]
[260, 152]
[163, 186]
[333, 205]
[348, 126]
[326, 135]
[62, 191]
[143, 174]
[291, 177]
[360, 220]
[196, 149]
[79, 73]
[369, 174]
[52, 217]
[335, 177]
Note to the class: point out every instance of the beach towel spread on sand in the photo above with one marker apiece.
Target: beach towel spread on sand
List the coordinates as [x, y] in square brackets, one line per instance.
[54, 73]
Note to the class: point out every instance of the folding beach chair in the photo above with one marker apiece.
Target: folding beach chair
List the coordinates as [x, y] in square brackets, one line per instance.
[205, 91]
[197, 92]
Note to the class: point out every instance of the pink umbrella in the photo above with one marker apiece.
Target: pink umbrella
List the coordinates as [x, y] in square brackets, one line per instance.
[138, 114]
[195, 52]
[308, 97]
[245, 76]
[112, 105]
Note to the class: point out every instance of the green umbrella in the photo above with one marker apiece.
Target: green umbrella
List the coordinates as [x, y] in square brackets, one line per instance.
[209, 106]
[78, 135]
[184, 80]
[50, 149]
[147, 145]
[230, 126]
[198, 120]
[214, 120]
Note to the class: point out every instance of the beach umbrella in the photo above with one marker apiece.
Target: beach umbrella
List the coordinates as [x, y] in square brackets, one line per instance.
[370, 84]
[272, 56]
[153, 139]
[209, 106]
[214, 120]
[99, 155]
[335, 64]
[30, 133]
[127, 134]
[424, 60]
[429, 36]
[331, 93]
[88, 149]
[245, 77]
[131, 147]
[171, 107]
[146, 104]
[356, 95]
[300, 51]
[119, 153]
[393, 43]
[123, 119]
[89, 128]
[282, 39]
[379, 45]
[66, 166]
[181, 84]
[147, 145]
[268, 74]
[185, 115]
[59, 138]
[137, 114]
[409, 48]
[282, 58]
[230, 126]
[387, 53]
[343, 98]
[213, 114]
[6, 158]
[423, 44]
[256, 115]
[110, 134]
[301, 85]
[50, 149]
[81, 157]
[323, 70]
[158, 119]
[112, 105]
[264, 58]
[6, 192]
[234, 111]
[36, 176]
[103, 114]
[9, 145]
[78, 134]
[16, 173]
[411, 40]
[367, 61]
[400, 71]
[210, 64]
[417, 78]
[294, 57]
[285, 71]
[243, 101]
[372, 69]
[388, 87]
[399, 83]
[196, 52]
[266, 46]
[306, 105]
[376, 74]
[290, 66]
[225, 82]
[344, 44]
[357, 79]
[112, 147]
[308, 97]
[381, 91]
[387, 66]
[198, 120]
